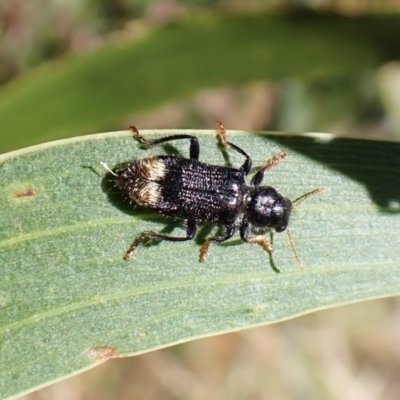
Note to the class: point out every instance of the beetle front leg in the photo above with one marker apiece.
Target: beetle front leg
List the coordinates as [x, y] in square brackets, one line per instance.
[194, 149]
[272, 162]
[230, 230]
[261, 240]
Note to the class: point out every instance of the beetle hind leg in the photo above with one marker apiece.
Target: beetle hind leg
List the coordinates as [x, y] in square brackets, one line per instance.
[194, 149]
[148, 236]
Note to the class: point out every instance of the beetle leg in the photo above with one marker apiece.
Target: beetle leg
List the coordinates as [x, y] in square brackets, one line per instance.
[230, 230]
[261, 240]
[146, 237]
[272, 162]
[194, 143]
[246, 167]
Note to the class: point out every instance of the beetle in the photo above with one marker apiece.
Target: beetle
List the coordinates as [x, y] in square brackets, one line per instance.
[193, 191]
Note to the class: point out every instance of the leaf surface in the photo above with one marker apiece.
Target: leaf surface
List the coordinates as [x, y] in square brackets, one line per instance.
[68, 300]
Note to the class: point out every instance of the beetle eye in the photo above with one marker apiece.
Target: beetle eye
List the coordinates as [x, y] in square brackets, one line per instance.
[280, 228]
[282, 218]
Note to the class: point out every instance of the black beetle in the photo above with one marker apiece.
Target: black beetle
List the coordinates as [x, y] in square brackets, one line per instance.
[187, 189]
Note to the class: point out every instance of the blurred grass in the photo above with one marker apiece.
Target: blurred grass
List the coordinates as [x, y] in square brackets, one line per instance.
[97, 91]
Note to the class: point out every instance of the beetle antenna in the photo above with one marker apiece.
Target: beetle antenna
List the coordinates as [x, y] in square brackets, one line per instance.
[107, 168]
[306, 196]
[296, 256]
[296, 203]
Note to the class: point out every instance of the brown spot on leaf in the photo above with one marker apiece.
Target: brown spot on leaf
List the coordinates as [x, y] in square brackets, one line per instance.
[103, 353]
[25, 193]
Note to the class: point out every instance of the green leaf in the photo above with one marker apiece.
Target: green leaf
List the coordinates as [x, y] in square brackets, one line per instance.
[68, 300]
[99, 90]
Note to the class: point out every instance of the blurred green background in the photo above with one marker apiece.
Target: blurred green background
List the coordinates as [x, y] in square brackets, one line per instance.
[78, 67]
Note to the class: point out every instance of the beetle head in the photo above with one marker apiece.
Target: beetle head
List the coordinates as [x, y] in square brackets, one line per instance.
[266, 208]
